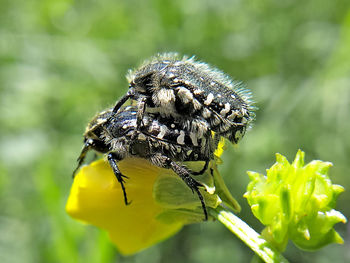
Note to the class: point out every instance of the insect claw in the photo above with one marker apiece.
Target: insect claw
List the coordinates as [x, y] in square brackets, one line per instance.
[124, 176]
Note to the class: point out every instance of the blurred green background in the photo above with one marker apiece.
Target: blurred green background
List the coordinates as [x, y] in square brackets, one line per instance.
[61, 61]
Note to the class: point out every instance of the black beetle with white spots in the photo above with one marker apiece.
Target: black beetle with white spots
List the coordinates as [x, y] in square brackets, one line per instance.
[189, 90]
[159, 140]
[181, 109]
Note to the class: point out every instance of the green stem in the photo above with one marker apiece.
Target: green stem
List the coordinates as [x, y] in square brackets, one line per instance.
[248, 235]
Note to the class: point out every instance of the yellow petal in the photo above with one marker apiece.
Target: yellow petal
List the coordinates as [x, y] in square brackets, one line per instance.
[96, 198]
[221, 147]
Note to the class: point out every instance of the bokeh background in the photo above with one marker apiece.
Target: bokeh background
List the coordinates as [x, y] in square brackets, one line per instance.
[61, 61]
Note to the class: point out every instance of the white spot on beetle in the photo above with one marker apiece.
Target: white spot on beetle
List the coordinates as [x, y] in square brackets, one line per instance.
[142, 137]
[209, 99]
[184, 94]
[163, 130]
[224, 111]
[193, 139]
[196, 104]
[206, 113]
[181, 138]
[197, 91]
[172, 125]
[164, 97]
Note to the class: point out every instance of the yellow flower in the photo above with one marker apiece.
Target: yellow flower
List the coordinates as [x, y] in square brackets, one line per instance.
[161, 203]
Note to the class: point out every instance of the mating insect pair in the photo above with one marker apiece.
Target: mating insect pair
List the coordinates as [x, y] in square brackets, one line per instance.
[180, 102]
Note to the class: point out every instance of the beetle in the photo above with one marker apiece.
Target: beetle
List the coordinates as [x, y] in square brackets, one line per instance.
[162, 141]
[190, 90]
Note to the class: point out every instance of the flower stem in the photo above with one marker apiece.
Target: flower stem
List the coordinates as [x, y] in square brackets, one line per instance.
[248, 235]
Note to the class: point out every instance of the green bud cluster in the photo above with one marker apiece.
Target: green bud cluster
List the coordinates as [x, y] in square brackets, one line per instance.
[296, 202]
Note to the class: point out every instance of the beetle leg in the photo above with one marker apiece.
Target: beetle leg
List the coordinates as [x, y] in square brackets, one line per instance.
[121, 102]
[141, 107]
[205, 167]
[165, 162]
[191, 183]
[112, 159]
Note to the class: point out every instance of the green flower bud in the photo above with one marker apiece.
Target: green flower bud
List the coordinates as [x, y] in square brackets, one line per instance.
[296, 202]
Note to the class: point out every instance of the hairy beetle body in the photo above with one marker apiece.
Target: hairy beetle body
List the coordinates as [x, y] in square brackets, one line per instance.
[188, 90]
[162, 141]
